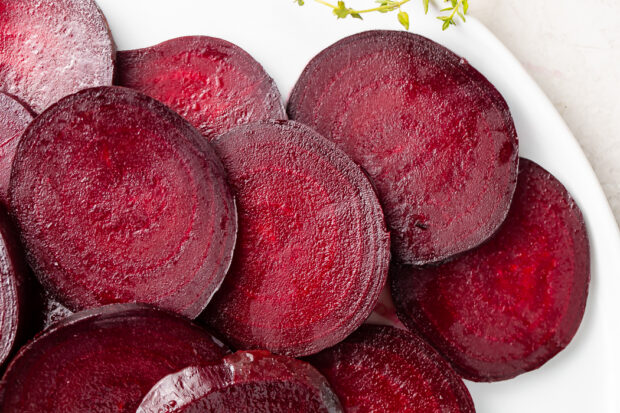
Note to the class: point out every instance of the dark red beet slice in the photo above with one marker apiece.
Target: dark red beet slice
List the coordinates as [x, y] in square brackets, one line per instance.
[17, 307]
[247, 381]
[103, 360]
[118, 199]
[214, 84]
[14, 117]
[312, 251]
[510, 305]
[51, 49]
[435, 136]
[385, 369]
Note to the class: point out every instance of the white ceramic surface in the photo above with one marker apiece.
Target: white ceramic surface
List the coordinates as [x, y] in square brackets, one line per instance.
[284, 37]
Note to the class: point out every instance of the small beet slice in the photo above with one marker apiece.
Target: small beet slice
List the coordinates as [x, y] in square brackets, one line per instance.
[312, 252]
[118, 199]
[385, 369]
[247, 381]
[14, 118]
[50, 49]
[513, 303]
[103, 360]
[435, 136]
[213, 83]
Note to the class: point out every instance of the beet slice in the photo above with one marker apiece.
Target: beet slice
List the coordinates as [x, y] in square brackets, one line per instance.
[385, 369]
[313, 250]
[51, 49]
[17, 307]
[213, 83]
[14, 117]
[510, 305]
[118, 199]
[435, 136]
[103, 360]
[247, 381]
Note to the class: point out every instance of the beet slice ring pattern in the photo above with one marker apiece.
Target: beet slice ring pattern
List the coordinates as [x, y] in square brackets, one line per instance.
[435, 136]
[213, 83]
[14, 118]
[103, 360]
[51, 49]
[385, 369]
[118, 199]
[247, 381]
[510, 305]
[312, 252]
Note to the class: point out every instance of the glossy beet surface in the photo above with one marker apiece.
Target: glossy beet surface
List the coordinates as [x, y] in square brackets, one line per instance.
[50, 49]
[245, 382]
[510, 305]
[313, 250]
[435, 136]
[103, 360]
[17, 311]
[383, 369]
[118, 199]
[214, 84]
[14, 117]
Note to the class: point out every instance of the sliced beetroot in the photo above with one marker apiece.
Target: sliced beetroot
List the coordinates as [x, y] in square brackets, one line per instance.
[312, 251]
[435, 136]
[14, 117]
[510, 305]
[385, 369]
[214, 84]
[18, 304]
[51, 49]
[247, 381]
[118, 199]
[103, 360]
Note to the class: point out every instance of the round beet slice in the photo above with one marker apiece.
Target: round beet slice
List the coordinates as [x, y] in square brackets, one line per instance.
[247, 381]
[14, 117]
[513, 303]
[385, 369]
[213, 83]
[103, 360]
[312, 251]
[50, 49]
[118, 199]
[435, 136]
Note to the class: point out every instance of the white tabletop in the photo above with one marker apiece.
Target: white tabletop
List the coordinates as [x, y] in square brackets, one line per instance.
[572, 49]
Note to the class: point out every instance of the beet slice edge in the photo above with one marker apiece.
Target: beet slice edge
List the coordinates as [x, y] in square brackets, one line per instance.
[513, 303]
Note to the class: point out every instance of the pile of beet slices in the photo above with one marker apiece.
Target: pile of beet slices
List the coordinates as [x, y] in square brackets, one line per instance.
[144, 189]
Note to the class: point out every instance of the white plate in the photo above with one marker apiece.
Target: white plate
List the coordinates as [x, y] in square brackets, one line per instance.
[284, 37]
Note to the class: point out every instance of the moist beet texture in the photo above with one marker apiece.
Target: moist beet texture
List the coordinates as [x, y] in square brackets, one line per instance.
[17, 309]
[50, 49]
[103, 360]
[510, 305]
[118, 199]
[14, 118]
[435, 136]
[214, 84]
[312, 251]
[385, 369]
[247, 381]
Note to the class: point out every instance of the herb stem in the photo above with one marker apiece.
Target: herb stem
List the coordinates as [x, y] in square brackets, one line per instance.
[393, 6]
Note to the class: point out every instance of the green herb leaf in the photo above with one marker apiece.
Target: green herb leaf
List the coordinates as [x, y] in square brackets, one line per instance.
[341, 11]
[403, 18]
[425, 6]
[445, 25]
[300, 2]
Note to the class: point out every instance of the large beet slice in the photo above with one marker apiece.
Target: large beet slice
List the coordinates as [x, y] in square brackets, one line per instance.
[384, 369]
[435, 136]
[14, 118]
[247, 381]
[103, 360]
[312, 251]
[510, 305]
[50, 49]
[214, 84]
[119, 199]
